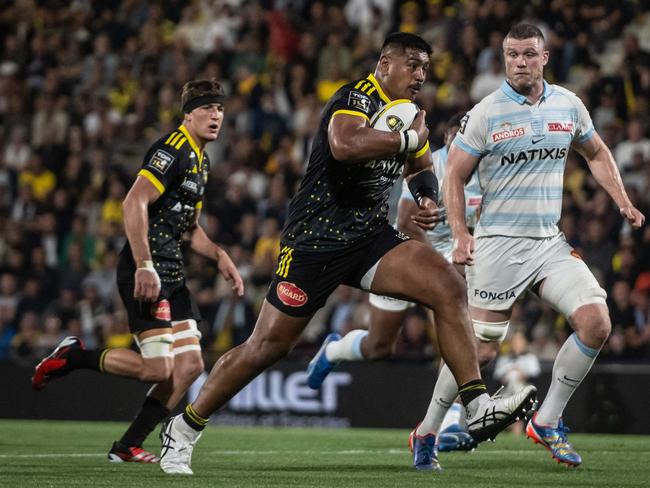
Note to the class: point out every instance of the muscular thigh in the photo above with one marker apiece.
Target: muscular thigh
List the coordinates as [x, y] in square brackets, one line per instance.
[566, 283]
[415, 272]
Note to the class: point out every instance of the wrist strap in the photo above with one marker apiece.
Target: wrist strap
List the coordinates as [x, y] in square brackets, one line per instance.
[148, 264]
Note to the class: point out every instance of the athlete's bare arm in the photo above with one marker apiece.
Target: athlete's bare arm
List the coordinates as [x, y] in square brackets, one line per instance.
[136, 226]
[203, 245]
[352, 139]
[460, 166]
[406, 211]
[603, 167]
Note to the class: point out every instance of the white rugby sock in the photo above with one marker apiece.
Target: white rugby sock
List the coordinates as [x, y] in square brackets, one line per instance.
[444, 394]
[573, 362]
[348, 348]
[454, 416]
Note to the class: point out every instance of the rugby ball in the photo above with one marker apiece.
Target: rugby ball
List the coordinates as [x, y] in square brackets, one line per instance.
[395, 116]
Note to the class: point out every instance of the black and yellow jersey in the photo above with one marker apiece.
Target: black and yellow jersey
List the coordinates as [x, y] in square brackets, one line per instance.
[179, 170]
[340, 202]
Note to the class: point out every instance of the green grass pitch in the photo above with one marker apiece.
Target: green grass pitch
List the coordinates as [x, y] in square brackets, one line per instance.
[73, 454]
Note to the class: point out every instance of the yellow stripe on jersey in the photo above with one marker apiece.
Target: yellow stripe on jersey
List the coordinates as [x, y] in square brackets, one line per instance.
[175, 139]
[351, 112]
[195, 147]
[358, 85]
[172, 135]
[374, 81]
[180, 143]
[152, 178]
[371, 91]
[421, 151]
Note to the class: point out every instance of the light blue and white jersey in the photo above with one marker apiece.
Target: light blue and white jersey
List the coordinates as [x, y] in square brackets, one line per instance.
[440, 236]
[523, 150]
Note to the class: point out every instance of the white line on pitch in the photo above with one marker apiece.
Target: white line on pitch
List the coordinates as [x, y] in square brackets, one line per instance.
[273, 452]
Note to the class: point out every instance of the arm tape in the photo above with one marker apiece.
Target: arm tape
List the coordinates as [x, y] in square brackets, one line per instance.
[424, 184]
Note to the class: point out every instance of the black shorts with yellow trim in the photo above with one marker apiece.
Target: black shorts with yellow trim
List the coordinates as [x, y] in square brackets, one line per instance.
[175, 303]
[304, 279]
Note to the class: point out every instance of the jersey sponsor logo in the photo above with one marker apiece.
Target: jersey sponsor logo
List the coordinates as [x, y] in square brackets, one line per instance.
[391, 167]
[190, 186]
[161, 310]
[359, 100]
[474, 201]
[508, 134]
[161, 160]
[290, 294]
[494, 295]
[560, 126]
[463, 123]
[534, 154]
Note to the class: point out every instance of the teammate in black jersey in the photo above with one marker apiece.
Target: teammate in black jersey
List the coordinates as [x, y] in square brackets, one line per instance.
[337, 233]
[164, 203]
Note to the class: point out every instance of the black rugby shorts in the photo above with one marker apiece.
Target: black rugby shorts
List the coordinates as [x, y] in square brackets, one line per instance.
[304, 279]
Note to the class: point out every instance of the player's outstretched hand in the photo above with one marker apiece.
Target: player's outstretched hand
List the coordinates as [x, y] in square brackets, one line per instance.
[463, 252]
[229, 271]
[428, 215]
[633, 216]
[420, 126]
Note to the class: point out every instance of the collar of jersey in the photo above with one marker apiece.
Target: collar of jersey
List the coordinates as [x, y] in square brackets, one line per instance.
[521, 99]
[371, 78]
[199, 153]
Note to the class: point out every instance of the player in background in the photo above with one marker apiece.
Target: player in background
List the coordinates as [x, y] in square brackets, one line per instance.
[164, 203]
[522, 134]
[337, 233]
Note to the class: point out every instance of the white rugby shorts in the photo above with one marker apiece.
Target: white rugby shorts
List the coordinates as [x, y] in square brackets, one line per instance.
[505, 267]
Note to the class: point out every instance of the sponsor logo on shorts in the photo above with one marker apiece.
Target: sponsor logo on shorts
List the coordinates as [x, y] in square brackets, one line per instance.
[290, 294]
[508, 134]
[494, 295]
[162, 310]
[560, 126]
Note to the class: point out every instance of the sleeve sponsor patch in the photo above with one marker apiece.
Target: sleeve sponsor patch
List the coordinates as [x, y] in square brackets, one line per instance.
[463, 123]
[359, 100]
[161, 160]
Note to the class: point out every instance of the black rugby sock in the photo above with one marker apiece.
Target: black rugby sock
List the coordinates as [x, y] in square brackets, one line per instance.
[193, 419]
[471, 390]
[150, 415]
[86, 359]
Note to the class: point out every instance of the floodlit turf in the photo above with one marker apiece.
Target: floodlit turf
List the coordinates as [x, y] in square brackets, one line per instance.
[73, 454]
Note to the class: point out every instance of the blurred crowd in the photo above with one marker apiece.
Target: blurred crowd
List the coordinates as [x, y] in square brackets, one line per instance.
[86, 86]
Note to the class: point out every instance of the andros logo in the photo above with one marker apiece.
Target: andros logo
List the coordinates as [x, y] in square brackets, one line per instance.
[290, 294]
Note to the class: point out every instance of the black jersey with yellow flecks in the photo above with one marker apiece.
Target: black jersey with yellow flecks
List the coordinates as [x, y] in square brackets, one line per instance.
[179, 170]
[340, 202]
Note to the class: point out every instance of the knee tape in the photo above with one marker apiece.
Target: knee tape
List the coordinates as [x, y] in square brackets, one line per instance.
[491, 331]
[388, 304]
[568, 293]
[186, 329]
[156, 346]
